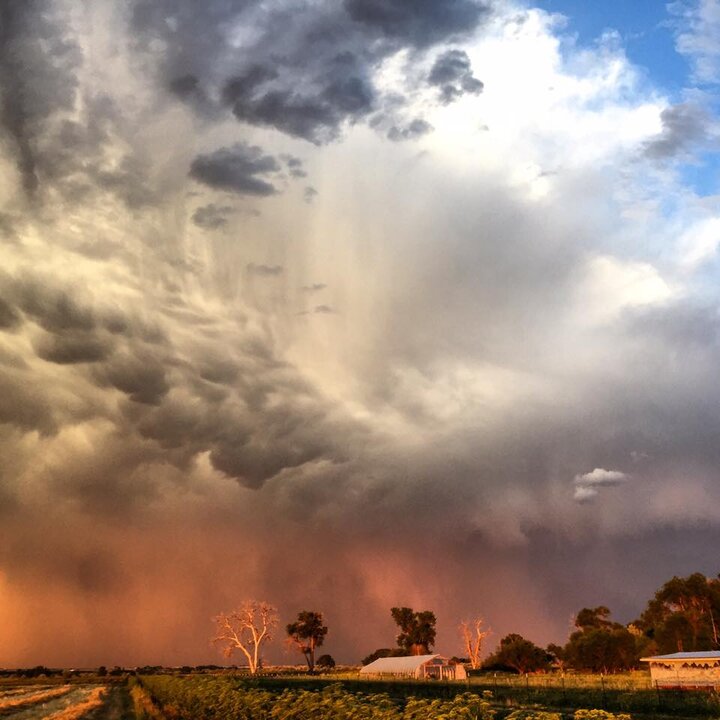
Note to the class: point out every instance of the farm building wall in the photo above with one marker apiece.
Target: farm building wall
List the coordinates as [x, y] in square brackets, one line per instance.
[688, 673]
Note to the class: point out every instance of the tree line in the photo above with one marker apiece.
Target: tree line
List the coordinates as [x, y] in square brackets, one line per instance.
[683, 615]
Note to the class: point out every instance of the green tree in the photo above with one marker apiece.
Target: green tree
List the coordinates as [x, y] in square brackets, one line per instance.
[684, 615]
[381, 653]
[417, 630]
[598, 617]
[307, 633]
[327, 662]
[520, 654]
[599, 644]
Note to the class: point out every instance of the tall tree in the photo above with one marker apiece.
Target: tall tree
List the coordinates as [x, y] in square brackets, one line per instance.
[246, 629]
[599, 644]
[473, 632]
[520, 654]
[684, 615]
[307, 633]
[417, 630]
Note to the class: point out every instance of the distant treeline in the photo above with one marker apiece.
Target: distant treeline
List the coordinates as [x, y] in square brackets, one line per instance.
[682, 616]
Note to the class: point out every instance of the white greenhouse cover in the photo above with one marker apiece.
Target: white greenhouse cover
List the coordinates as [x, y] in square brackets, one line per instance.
[706, 655]
[397, 665]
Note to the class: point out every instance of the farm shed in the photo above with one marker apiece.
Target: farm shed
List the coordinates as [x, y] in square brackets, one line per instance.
[421, 667]
[685, 669]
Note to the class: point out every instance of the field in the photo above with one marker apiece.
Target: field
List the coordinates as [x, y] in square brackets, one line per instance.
[232, 696]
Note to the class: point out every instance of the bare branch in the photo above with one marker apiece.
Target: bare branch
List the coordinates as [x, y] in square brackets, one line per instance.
[473, 633]
[246, 629]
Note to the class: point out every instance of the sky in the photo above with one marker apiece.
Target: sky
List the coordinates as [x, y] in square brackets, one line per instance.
[345, 305]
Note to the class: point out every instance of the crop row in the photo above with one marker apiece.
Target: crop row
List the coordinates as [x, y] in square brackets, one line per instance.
[219, 698]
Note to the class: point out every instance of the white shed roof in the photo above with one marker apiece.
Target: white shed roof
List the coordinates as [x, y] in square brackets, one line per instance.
[705, 655]
[397, 665]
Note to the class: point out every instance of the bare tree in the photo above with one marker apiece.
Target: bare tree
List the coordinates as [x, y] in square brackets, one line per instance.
[473, 633]
[246, 629]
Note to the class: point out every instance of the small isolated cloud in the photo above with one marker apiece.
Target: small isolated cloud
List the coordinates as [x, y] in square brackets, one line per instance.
[588, 484]
[411, 131]
[264, 270]
[309, 194]
[211, 217]
[323, 310]
[452, 74]
[241, 168]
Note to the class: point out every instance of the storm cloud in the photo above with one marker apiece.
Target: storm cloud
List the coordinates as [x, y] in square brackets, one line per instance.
[418, 364]
[242, 169]
[452, 75]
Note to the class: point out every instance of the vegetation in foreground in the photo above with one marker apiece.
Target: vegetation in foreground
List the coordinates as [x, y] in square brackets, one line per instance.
[220, 697]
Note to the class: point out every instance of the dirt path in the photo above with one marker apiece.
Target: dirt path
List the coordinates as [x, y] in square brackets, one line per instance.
[117, 705]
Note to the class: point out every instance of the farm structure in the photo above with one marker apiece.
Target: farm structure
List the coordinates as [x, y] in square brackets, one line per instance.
[685, 669]
[420, 667]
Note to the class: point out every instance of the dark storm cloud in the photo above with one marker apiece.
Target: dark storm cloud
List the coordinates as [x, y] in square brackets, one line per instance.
[9, 317]
[60, 136]
[452, 75]
[315, 116]
[141, 377]
[150, 407]
[211, 216]
[72, 348]
[683, 126]
[411, 131]
[321, 80]
[241, 168]
[54, 309]
[418, 22]
[25, 405]
[37, 73]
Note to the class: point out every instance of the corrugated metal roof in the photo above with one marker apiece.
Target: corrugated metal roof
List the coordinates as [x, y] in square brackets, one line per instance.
[707, 654]
[406, 664]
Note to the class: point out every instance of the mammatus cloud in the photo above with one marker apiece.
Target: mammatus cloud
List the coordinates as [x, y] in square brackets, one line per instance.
[588, 484]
